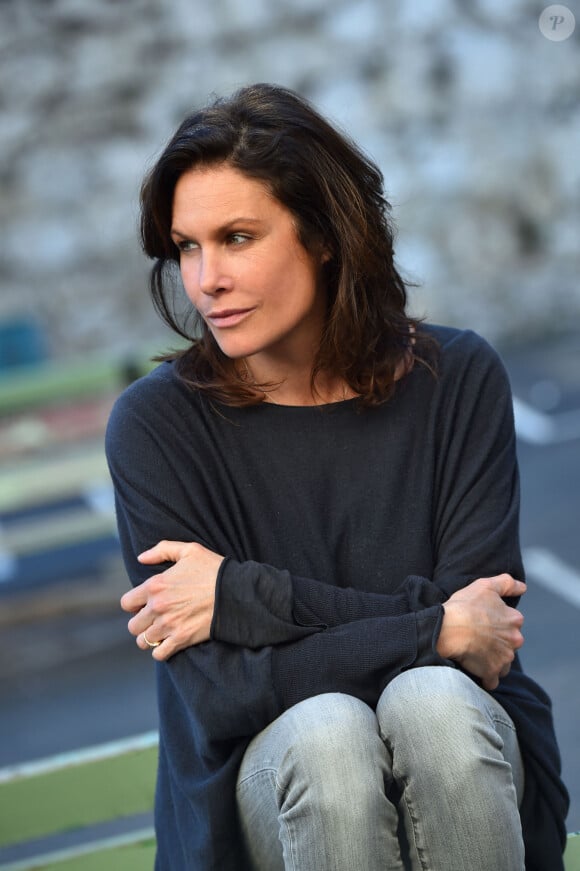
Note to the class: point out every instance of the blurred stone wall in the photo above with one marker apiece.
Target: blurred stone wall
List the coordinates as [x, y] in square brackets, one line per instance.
[470, 111]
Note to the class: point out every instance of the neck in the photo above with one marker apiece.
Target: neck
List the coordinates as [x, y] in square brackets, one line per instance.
[295, 388]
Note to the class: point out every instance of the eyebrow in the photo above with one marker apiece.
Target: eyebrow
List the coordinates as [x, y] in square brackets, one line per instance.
[223, 229]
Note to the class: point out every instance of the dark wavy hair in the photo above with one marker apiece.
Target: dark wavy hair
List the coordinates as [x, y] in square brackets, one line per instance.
[335, 194]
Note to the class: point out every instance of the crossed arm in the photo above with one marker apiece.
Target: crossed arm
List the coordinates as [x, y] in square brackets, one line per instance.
[479, 630]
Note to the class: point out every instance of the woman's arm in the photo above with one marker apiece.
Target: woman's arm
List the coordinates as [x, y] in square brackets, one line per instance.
[176, 610]
[257, 602]
[357, 657]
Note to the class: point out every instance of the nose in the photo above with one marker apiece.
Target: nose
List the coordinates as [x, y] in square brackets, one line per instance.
[213, 276]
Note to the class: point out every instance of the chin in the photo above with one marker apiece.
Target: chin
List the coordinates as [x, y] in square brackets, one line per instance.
[235, 350]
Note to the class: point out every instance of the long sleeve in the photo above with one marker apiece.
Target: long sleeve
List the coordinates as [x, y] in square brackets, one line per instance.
[260, 605]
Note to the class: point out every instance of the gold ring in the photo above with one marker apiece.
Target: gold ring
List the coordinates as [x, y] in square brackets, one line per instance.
[150, 643]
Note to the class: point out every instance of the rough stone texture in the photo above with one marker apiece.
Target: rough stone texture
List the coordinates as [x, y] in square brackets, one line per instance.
[470, 112]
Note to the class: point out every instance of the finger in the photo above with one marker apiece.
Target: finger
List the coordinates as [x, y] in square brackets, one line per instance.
[163, 551]
[142, 641]
[133, 600]
[517, 618]
[164, 651]
[490, 683]
[139, 622]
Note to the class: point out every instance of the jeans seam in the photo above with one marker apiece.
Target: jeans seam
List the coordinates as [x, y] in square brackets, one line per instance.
[281, 792]
[501, 722]
[257, 773]
[414, 823]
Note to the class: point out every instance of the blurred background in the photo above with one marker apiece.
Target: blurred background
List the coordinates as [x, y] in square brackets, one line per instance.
[471, 109]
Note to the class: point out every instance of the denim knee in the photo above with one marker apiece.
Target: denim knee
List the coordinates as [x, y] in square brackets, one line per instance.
[438, 719]
[328, 746]
[332, 740]
[311, 789]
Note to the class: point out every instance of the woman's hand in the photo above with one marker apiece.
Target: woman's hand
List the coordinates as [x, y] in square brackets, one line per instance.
[480, 631]
[175, 607]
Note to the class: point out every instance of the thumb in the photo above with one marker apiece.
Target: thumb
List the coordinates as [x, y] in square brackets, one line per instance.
[505, 585]
[162, 552]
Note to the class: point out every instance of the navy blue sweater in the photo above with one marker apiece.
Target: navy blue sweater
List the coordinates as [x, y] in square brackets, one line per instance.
[344, 532]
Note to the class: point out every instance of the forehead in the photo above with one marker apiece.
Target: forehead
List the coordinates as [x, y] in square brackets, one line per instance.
[221, 192]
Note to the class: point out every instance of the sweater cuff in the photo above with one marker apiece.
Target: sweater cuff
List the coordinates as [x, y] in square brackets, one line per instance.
[253, 606]
[215, 620]
[429, 624]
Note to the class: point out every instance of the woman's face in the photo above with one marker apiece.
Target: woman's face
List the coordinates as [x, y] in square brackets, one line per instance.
[256, 287]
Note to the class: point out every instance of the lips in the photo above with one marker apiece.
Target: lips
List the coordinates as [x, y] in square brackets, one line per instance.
[228, 317]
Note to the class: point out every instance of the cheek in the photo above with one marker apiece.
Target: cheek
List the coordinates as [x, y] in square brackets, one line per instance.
[292, 272]
[189, 280]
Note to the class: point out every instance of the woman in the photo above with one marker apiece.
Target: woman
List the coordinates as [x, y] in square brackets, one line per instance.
[318, 509]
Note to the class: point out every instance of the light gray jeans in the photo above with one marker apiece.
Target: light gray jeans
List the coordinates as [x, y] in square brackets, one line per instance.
[432, 780]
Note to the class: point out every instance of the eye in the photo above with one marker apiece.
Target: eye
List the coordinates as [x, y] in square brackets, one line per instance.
[185, 245]
[238, 238]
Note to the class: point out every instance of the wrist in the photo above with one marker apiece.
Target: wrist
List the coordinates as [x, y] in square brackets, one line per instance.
[452, 641]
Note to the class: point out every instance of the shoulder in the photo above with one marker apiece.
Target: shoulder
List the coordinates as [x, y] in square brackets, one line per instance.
[471, 385]
[456, 345]
[153, 404]
[161, 387]
[156, 383]
[465, 355]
